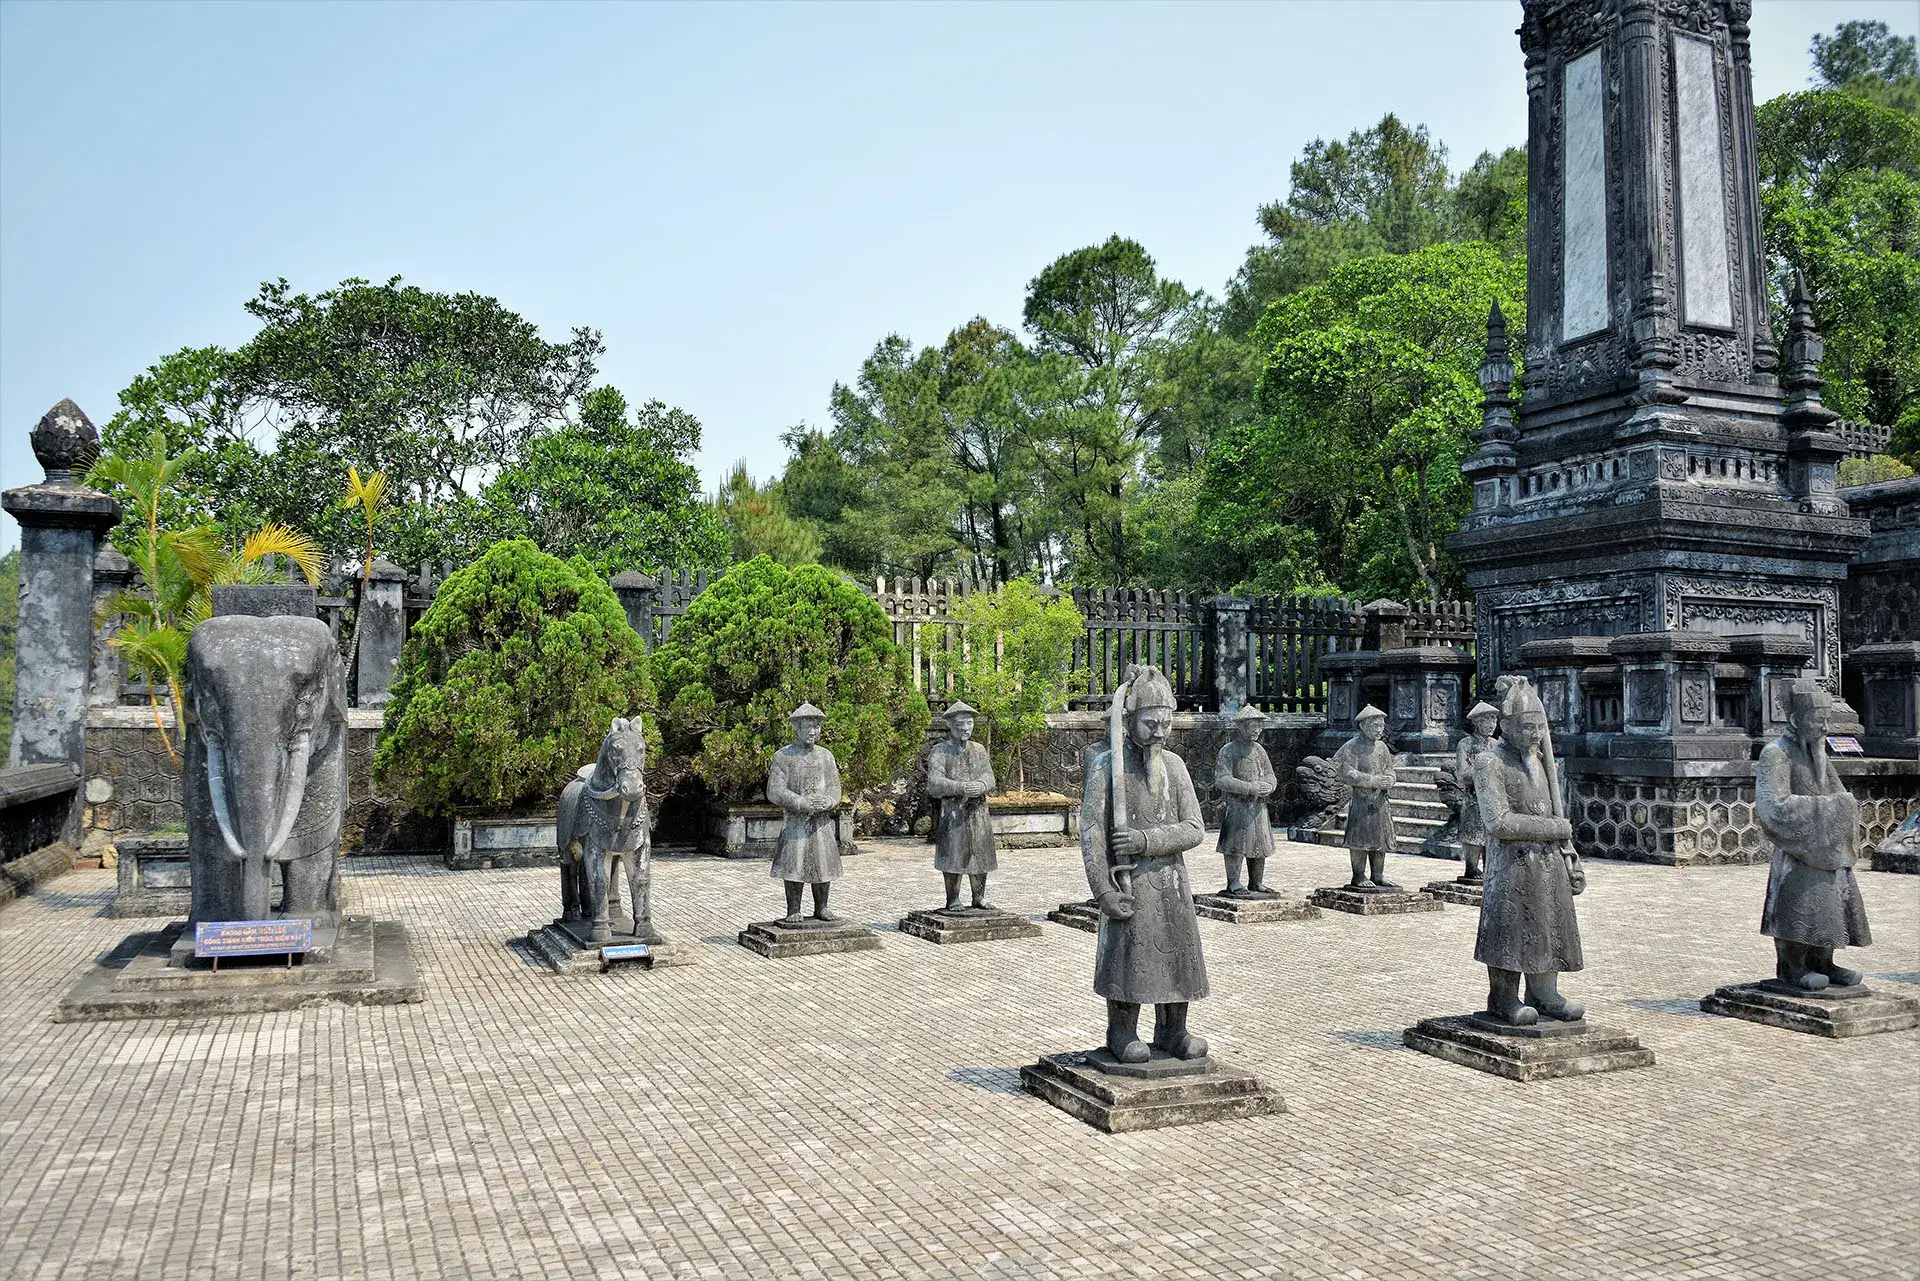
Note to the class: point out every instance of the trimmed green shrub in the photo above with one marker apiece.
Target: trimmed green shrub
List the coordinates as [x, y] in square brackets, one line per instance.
[507, 685]
[761, 641]
[1014, 665]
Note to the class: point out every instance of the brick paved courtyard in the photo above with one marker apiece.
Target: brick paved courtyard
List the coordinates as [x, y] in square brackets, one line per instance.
[859, 1116]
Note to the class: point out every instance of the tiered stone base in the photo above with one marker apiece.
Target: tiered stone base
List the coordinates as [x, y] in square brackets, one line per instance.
[1080, 916]
[1546, 1050]
[967, 925]
[153, 975]
[1464, 892]
[1906, 860]
[1120, 1097]
[1835, 1011]
[778, 941]
[1253, 907]
[566, 947]
[1373, 900]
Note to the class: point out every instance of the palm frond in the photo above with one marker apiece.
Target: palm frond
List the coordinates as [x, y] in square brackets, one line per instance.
[278, 540]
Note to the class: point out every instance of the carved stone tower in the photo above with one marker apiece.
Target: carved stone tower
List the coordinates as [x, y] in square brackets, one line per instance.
[1656, 475]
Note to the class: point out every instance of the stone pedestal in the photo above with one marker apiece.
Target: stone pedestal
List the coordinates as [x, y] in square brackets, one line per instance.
[485, 838]
[379, 633]
[153, 975]
[1889, 677]
[753, 831]
[1900, 851]
[967, 925]
[779, 941]
[1372, 900]
[1546, 1050]
[1253, 907]
[1459, 890]
[568, 949]
[1121, 1097]
[1833, 1011]
[1084, 915]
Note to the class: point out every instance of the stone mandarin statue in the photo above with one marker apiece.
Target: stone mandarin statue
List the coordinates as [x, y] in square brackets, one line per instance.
[1365, 763]
[1527, 924]
[1245, 777]
[1139, 816]
[804, 780]
[1483, 721]
[1813, 901]
[959, 776]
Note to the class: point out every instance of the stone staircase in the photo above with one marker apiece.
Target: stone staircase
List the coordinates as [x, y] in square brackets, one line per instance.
[1418, 811]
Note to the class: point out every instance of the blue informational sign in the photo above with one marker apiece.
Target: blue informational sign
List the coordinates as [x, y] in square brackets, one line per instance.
[624, 952]
[253, 938]
[1845, 745]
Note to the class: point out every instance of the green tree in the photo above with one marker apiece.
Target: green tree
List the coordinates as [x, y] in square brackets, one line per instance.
[1014, 664]
[757, 522]
[1107, 318]
[508, 682]
[1840, 200]
[1868, 61]
[621, 491]
[760, 641]
[1369, 403]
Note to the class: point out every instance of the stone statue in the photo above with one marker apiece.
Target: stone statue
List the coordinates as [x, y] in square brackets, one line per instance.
[1138, 817]
[1483, 721]
[265, 779]
[1365, 764]
[804, 780]
[1321, 792]
[1813, 902]
[602, 816]
[1527, 924]
[959, 776]
[1246, 779]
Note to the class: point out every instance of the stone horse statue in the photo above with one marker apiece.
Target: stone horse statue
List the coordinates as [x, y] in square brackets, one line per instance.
[603, 816]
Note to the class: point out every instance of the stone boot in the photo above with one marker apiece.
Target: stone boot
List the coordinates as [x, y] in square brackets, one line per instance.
[1170, 1032]
[1543, 994]
[1503, 998]
[1793, 967]
[1821, 959]
[1123, 1033]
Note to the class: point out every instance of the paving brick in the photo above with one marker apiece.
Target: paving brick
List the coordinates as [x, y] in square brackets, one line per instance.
[860, 1115]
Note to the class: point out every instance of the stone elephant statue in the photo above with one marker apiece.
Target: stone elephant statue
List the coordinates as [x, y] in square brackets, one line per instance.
[266, 768]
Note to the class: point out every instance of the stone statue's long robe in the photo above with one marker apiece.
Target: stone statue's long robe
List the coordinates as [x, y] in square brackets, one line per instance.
[1526, 914]
[809, 848]
[1812, 896]
[1245, 777]
[1154, 955]
[963, 833]
[1473, 826]
[1368, 769]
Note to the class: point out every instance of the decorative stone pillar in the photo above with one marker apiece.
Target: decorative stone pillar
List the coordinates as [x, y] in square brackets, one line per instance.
[1558, 667]
[1426, 696]
[1232, 665]
[1667, 681]
[61, 522]
[1889, 675]
[636, 593]
[379, 633]
[112, 574]
[1773, 664]
[1386, 625]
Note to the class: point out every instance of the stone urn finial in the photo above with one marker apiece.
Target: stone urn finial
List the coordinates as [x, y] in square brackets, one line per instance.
[64, 440]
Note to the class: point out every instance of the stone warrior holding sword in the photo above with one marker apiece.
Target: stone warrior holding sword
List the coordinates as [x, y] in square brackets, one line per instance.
[1139, 816]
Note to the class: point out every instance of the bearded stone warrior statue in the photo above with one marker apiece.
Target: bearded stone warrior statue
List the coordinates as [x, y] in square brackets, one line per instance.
[1138, 818]
[1813, 901]
[1527, 925]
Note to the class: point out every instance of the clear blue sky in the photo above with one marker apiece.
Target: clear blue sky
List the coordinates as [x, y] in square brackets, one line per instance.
[743, 198]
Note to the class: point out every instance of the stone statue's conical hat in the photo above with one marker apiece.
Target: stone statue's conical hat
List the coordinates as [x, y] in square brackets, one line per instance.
[958, 708]
[1248, 712]
[1148, 687]
[1482, 709]
[1368, 712]
[806, 710]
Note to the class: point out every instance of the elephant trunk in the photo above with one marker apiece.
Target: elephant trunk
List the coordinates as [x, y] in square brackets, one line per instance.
[256, 794]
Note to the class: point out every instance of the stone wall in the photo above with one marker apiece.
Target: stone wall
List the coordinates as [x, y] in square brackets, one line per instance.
[133, 787]
[1880, 600]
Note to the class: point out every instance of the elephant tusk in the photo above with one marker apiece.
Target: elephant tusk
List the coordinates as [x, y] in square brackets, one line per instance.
[217, 793]
[299, 754]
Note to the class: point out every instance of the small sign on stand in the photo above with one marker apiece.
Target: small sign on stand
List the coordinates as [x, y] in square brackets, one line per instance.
[289, 936]
[623, 952]
[1845, 745]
